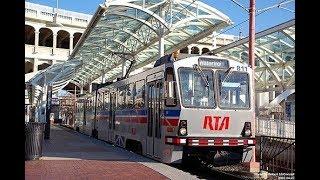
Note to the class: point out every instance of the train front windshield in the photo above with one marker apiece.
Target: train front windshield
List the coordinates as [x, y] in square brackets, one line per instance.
[196, 88]
[233, 90]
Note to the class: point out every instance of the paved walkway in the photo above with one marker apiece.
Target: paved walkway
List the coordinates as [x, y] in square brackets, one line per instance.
[71, 155]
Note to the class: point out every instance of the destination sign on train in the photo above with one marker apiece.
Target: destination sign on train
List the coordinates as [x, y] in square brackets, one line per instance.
[213, 63]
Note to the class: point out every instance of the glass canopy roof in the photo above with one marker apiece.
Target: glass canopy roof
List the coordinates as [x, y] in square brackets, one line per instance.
[274, 57]
[125, 31]
[128, 30]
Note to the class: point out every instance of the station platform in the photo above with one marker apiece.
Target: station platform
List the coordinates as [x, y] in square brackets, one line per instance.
[72, 155]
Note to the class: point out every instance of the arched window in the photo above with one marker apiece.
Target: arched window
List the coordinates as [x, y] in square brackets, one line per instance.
[205, 50]
[28, 67]
[29, 34]
[194, 50]
[63, 39]
[46, 37]
[184, 50]
[76, 37]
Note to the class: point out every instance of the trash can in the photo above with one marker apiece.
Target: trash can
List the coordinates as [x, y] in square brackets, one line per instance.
[34, 132]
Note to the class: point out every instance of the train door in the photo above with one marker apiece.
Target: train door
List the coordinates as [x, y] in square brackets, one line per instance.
[154, 121]
[112, 110]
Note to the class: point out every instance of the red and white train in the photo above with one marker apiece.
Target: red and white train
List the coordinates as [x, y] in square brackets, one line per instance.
[197, 107]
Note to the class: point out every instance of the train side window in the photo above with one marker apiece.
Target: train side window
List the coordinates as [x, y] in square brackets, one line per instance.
[101, 100]
[106, 100]
[130, 95]
[139, 94]
[93, 103]
[98, 100]
[169, 77]
[126, 95]
[90, 105]
[118, 99]
[121, 97]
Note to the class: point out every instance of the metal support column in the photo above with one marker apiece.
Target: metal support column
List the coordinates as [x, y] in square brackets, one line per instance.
[90, 88]
[161, 46]
[75, 105]
[47, 112]
[252, 60]
[160, 35]
[124, 68]
[102, 78]
[81, 90]
[94, 132]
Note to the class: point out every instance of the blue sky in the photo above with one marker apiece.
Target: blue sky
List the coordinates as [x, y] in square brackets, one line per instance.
[268, 19]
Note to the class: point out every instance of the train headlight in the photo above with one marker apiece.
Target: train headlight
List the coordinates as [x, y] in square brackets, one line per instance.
[247, 132]
[183, 128]
[183, 131]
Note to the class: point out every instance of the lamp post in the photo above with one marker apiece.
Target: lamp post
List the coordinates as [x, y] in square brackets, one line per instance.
[55, 16]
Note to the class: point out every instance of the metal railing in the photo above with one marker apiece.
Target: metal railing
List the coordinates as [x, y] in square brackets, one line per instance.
[46, 13]
[44, 52]
[276, 154]
[274, 127]
[32, 7]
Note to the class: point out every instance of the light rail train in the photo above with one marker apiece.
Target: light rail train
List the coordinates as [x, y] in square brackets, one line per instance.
[196, 107]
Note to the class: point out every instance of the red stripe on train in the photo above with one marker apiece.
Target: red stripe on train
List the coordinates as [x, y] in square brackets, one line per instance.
[139, 120]
[170, 122]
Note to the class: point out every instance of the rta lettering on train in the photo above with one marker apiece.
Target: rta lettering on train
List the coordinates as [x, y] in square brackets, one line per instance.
[214, 123]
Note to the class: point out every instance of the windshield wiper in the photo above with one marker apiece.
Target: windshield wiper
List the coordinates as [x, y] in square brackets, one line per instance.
[227, 74]
[195, 66]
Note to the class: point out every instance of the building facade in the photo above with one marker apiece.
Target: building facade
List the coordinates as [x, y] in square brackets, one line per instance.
[46, 44]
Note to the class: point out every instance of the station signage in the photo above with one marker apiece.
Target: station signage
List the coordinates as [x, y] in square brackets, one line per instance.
[213, 63]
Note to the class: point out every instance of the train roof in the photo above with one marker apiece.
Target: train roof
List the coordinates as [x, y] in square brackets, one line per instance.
[183, 62]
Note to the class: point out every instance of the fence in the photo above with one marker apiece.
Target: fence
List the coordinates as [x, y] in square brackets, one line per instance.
[276, 154]
[274, 127]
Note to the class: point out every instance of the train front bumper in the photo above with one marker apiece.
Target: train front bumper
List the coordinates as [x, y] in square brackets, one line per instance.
[210, 141]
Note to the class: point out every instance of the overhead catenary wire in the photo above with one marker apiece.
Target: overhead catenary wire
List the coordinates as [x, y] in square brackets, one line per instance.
[238, 4]
[259, 12]
[287, 9]
[276, 5]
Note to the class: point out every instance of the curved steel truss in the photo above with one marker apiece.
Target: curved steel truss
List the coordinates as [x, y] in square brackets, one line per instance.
[274, 54]
[134, 28]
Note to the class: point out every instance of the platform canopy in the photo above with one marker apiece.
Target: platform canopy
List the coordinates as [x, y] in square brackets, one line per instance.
[274, 57]
[139, 31]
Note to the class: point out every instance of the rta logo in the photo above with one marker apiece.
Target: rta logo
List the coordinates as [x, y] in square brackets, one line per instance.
[215, 124]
